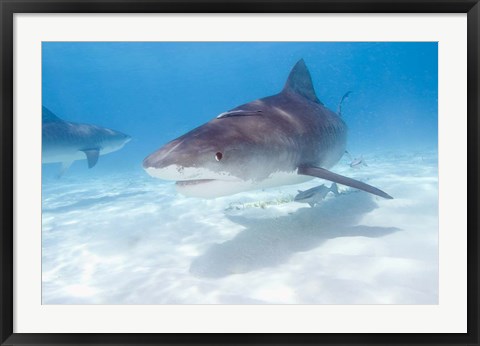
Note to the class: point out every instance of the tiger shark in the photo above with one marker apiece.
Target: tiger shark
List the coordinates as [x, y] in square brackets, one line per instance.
[65, 142]
[284, 139]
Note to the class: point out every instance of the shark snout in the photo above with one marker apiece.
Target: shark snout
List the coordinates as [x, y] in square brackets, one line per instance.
[159, 166]
[160, 169]
[163, 157]
[157, 160]
[174, 162]
[152, 161]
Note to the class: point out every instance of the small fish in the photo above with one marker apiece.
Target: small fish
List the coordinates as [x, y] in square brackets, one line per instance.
[358, 162]
[347, 94]
[316, 194]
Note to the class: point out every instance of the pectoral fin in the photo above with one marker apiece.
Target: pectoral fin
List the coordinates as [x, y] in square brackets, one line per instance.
[92, 156]
[340, 179]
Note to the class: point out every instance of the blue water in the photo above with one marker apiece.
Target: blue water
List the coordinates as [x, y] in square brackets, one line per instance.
[114, 235]
[158, 91]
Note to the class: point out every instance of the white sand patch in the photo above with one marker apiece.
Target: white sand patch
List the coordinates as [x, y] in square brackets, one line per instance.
[132, 239]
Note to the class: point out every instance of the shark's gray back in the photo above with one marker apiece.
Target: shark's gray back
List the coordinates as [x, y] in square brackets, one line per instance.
[287, 132]
[314, 132]
[65, 134]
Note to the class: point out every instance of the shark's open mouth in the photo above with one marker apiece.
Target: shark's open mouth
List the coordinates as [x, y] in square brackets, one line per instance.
[211, 188]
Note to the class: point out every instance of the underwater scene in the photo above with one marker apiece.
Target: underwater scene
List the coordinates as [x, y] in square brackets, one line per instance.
[239, 173]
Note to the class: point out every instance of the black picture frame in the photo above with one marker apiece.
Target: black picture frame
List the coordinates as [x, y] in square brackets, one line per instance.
[10, 7]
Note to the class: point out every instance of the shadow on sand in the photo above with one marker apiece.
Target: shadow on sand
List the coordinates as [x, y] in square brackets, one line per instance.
[270, 242]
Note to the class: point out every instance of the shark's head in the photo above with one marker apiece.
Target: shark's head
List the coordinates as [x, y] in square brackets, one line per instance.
[112, 140]
[216, 159]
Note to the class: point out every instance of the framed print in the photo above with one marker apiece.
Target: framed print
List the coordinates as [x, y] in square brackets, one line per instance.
[239, 173]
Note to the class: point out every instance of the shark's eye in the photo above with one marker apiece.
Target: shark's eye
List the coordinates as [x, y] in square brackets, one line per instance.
[218, 156]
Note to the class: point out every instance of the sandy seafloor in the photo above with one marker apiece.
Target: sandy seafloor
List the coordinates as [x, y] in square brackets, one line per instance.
[131, 239]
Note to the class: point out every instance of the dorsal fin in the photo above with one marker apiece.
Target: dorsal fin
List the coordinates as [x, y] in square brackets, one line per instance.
[299, 81]
[48, 116]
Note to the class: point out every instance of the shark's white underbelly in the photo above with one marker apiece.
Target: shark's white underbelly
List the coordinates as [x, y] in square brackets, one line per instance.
[66, 155]
[219, 188]
[62, 156]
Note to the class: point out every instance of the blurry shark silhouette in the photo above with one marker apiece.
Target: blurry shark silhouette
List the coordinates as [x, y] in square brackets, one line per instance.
[65, 142]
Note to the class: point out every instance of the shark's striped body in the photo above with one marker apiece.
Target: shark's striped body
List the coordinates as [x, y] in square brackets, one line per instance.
[282, 139]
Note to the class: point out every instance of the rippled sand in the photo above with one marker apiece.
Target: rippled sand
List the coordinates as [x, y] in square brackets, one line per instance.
[131, 239]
